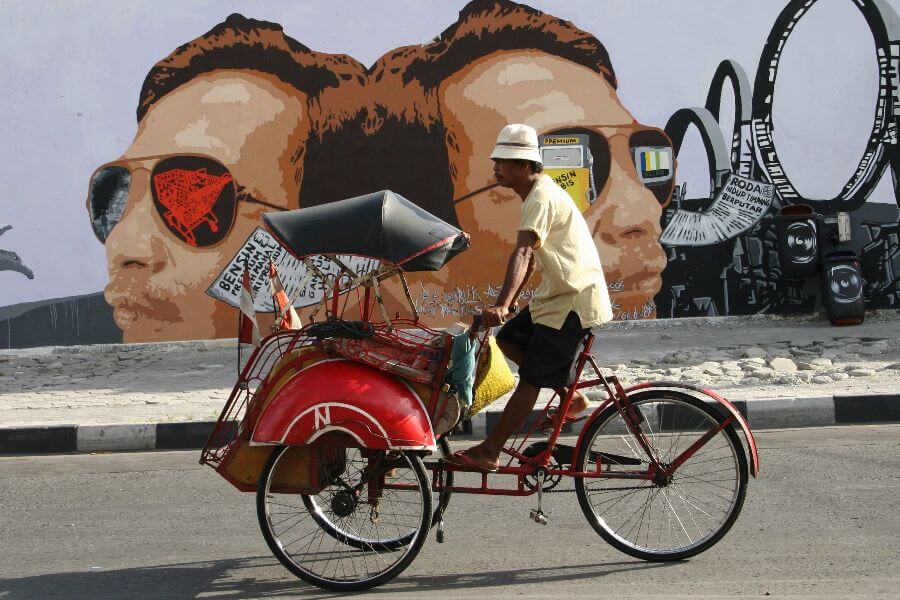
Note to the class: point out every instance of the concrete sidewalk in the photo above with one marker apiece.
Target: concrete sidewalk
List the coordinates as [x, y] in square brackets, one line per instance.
[782, 372]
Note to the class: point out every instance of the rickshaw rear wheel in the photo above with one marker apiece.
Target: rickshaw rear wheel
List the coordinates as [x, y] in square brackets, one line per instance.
[355, 552]
[384, 544]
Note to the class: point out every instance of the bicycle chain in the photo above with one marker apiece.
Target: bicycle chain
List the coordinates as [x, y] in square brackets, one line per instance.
[556, 491]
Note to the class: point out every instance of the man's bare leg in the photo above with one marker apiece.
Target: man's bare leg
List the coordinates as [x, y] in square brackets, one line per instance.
[579, 400]
[487, 453]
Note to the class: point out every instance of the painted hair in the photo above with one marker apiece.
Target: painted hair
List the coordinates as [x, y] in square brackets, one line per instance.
[242, 43]
[487, 26]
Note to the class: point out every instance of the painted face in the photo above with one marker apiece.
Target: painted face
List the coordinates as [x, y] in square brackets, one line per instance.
[552, 94]
[224, 128]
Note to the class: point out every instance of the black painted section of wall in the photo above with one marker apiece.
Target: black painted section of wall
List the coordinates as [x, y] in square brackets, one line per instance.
[742, 276]
[183, 436]
[876, 231]
[35, 440]
[867, 409]
[60, 322]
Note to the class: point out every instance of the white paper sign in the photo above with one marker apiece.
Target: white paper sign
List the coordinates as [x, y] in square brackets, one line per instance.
[257, 251]
[737, 207]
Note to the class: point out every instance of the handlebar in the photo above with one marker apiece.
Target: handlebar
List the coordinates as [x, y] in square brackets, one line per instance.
[477, 325]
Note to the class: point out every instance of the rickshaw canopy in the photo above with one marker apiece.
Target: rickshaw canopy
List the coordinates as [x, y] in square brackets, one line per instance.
[382, 225]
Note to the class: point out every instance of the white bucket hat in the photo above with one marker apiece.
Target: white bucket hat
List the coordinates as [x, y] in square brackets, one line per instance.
[517, 141]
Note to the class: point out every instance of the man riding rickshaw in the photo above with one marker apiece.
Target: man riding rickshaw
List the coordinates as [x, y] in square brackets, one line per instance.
[331, 424]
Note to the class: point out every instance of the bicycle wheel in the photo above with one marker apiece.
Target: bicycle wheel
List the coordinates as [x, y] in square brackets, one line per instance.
[325, 517]
[336, 539]
[672, 518]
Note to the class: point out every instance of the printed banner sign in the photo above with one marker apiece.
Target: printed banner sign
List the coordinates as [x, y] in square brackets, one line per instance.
[737, 207]
[256, 253]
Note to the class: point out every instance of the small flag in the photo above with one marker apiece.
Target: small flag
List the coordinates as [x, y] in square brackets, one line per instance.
[286, 317]
[249, 330]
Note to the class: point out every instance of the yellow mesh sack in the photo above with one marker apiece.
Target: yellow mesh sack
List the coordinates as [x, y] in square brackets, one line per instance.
[493, 378]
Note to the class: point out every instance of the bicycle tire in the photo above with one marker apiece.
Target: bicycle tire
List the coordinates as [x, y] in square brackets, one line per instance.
[313, 568]
[667, 408]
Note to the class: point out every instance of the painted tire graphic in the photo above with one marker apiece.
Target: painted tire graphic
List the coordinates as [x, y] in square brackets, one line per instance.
[741, 148]
[718, 158]
[885, 28]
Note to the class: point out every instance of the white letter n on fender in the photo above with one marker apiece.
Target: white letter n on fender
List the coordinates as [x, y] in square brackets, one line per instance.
[323, 417]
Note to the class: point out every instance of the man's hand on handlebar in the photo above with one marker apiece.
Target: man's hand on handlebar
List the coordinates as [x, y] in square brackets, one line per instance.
[493, 316]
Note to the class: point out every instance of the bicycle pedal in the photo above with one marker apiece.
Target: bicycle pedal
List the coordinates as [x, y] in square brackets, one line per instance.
[538, 516]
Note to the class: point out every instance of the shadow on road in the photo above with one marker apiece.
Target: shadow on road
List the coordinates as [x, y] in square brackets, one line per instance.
[493, 579]
[250, 578]
[233, 578]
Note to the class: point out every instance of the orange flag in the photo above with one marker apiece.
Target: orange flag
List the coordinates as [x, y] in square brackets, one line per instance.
[287, 318]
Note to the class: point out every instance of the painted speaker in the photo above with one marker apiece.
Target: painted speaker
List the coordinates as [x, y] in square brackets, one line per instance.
[842, 288]
[798, 249]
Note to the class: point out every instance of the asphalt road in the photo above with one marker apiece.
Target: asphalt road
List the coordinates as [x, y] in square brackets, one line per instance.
[821, 522]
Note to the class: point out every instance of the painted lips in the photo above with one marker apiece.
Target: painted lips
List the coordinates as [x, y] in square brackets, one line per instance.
[126, 314]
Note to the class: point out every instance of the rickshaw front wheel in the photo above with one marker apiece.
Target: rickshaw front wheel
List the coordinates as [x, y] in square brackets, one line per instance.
[668, 517]
[345, 535]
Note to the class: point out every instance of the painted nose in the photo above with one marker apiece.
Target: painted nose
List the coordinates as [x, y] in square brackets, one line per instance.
[628, 211]
[133, 244]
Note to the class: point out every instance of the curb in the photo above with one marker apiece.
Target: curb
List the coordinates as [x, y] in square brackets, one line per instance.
[770, 413]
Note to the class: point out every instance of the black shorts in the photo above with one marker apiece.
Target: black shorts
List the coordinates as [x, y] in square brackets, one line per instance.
[548, 355]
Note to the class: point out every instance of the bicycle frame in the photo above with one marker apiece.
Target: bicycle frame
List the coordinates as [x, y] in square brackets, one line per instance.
[617, 396]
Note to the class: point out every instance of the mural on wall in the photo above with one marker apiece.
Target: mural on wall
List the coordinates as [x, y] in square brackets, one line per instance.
[245, 119]
[750, 277]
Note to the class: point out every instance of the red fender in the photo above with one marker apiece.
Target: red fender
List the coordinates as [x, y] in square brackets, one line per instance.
[732, 410]
[677, 385]
[378, 410]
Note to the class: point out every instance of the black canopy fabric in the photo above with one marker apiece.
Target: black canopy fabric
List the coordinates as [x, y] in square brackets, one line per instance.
[382, 225]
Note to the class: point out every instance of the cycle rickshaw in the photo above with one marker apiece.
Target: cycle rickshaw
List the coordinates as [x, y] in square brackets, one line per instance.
[331, 425]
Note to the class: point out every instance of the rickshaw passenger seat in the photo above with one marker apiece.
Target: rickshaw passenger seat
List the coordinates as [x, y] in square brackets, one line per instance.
[400, 353]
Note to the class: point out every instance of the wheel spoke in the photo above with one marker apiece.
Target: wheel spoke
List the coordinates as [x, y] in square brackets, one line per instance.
[677, 518]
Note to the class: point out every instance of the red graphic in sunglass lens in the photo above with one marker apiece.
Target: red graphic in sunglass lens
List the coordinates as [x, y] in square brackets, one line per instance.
[189, 196]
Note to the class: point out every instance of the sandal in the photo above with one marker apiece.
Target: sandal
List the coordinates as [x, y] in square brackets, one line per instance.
[461, 460]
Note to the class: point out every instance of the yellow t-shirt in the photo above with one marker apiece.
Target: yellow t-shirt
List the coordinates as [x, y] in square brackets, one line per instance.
[567, 259]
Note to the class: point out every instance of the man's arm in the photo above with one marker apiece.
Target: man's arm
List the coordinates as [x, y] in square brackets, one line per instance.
[525, 281]
[519, 268]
